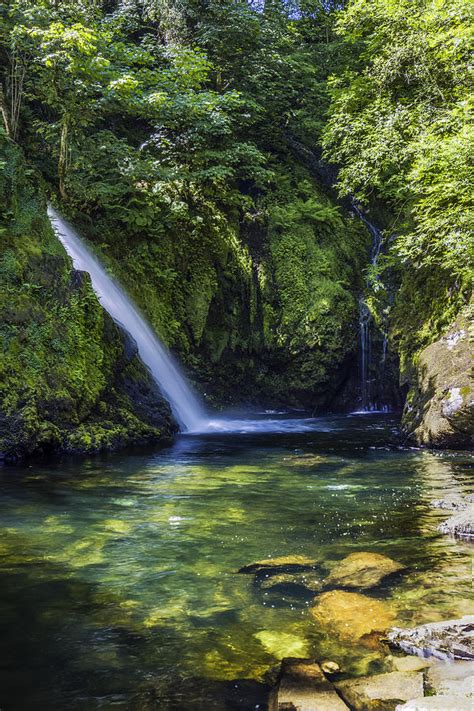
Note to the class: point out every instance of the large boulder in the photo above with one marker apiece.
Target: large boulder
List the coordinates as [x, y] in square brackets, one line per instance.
[302, 686]
[352, 617]
[382, 692]
[453, 639]
[361, 571]
[439, 410]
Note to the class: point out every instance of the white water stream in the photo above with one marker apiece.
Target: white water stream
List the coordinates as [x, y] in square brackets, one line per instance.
[186, 407]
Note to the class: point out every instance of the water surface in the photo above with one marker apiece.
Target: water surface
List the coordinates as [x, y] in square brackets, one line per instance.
[118, 575]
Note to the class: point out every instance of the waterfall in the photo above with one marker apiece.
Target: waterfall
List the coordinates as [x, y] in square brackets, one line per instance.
[365, 318]
[186, 407]
[364, 338]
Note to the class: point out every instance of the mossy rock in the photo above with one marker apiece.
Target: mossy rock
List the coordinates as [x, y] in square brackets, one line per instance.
[70, 380]
[439, 410]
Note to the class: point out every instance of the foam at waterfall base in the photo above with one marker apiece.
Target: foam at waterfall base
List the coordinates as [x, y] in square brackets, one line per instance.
[226, 425]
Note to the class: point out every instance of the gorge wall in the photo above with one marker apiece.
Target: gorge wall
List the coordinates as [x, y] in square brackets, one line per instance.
[181, 142]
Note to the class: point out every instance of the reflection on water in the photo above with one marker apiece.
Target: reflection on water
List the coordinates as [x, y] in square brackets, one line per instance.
[118, 575]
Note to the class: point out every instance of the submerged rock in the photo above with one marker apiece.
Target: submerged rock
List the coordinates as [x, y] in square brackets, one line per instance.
[303, 687]
[382, 692]
[453, 639]
[309, 580]
[461, 524]
[282, 564]
[362, 570]
[436, 703]
[281, 644]
[352, 616]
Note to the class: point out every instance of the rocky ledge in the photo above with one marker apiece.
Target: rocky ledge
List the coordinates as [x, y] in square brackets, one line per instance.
[439, 410]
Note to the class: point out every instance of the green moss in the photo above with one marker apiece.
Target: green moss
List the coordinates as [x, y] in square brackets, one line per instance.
[259, 305]
[61, 354]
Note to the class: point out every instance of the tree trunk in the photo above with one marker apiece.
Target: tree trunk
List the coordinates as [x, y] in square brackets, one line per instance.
[62, 161]
[4, 112]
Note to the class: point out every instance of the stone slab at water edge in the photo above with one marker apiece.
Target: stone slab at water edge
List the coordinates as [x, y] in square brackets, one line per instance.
[436, 703]
[453, 639]
[302, 686]
[382, 692]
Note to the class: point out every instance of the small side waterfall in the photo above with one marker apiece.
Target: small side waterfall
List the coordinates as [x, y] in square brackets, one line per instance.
[186, 407]
[365, 319]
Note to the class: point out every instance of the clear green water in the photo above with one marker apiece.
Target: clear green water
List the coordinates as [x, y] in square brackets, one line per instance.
[118, 583]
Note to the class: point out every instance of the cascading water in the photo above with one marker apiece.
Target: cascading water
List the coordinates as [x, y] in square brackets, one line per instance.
[365, 341]
[186, 407]
[365, 318]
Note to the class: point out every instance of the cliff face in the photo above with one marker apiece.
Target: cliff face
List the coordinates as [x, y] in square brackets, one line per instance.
[439, 410]
[69, 379]
[259, 308]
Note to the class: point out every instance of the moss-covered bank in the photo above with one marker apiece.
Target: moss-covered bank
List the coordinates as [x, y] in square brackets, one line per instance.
[69, 379]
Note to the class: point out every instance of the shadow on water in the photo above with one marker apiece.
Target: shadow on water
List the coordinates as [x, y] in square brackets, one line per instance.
[118, 575]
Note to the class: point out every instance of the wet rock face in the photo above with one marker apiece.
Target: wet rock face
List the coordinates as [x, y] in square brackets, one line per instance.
[383, 692]
[303, 687]
[352, 617]
[440, 405]
[453, 639]
[361, 571]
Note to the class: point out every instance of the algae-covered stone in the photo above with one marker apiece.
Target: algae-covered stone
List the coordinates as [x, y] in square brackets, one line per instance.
[308, 580]
[282, 644]
[304, 687]
[362, 571]
[351, 616]
[440, 405]
[382, 692]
